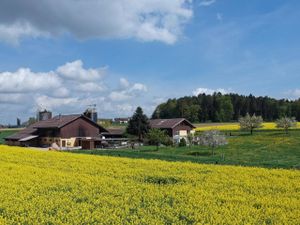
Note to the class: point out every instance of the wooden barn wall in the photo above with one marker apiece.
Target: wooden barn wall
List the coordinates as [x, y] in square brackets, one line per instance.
[79, 128]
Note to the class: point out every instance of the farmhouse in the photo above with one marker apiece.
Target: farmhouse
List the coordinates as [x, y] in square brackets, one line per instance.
[122, 120]
[66, 131]
[176, 128]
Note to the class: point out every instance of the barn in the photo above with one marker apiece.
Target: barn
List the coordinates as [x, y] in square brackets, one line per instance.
[65, 131]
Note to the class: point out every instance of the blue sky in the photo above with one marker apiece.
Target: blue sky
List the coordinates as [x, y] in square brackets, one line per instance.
[143, 55]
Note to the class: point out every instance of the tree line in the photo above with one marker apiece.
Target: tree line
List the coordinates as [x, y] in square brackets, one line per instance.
[226, 108]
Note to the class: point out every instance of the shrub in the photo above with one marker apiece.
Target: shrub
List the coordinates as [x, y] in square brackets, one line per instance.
[182, 142]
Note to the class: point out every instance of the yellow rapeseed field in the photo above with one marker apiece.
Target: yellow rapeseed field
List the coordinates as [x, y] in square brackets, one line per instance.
[236, 126]
[61, 188]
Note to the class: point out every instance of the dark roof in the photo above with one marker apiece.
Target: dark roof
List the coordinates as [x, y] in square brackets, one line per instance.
[168, 123]
[22, 134]
[116, 131]
[55, 122]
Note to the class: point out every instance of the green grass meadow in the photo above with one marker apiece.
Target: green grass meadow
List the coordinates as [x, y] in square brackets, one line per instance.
[272, 149]
[5, 133]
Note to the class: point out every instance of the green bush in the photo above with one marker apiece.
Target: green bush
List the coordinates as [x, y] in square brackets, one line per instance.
[168, 141]
[182, 142]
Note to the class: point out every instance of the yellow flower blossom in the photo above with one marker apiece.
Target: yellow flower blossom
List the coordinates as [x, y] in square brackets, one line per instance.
[61, 188]
[236, 126]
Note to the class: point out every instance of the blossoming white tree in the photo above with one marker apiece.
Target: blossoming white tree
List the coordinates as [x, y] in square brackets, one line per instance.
[213, 139]
[250, 122]
[286, 123]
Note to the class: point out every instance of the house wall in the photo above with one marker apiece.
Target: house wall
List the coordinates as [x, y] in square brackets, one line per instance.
[47, 141]
[68, 142]
[182, 129]
[12, 143]
[79, 128]
[32, 143]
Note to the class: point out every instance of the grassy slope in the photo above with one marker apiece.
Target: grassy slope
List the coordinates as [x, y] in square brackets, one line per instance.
[62, 188]
[264, 149]
[6, 132]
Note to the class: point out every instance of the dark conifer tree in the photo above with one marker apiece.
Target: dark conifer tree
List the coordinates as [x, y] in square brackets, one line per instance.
[138, 124]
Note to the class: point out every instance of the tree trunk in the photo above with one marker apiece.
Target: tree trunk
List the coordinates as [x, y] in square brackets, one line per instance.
[251, 131]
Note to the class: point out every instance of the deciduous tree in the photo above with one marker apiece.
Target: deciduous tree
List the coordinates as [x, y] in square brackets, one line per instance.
[157, 137]
[213, 139]
[286, 123]
[250, 122]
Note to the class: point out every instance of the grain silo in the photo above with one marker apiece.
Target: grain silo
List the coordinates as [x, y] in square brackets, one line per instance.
[44, 115]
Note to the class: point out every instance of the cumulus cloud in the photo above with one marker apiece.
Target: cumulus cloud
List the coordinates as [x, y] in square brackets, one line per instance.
[12, 33]
[51, 103]
[11, 98]
[24, 80]
[146, 20]
[90, 87]
[119, 96]
[74, 70]
[138, 87]
[124, 83]
[207, 2]
[126, 109]
[68, 89]
[209, 91]
[128, 91]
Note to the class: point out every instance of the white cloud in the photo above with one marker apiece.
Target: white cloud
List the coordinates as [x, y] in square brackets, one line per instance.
[23, 91]
[128, 91]
[126, 109]
[24, 80]
[47, 102]
[207, 2]
[293, 94]
[74, 70]
[209, 91]
[11, 33]
[119, 96]
[138, 87]
[90, 87]
[124, 83]
[146, 20]
[11, 98]
[60, 92]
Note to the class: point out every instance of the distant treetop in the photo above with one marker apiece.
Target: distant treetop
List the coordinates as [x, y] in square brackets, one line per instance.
[226, 108]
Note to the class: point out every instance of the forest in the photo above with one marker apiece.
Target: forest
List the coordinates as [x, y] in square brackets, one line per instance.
[226, 108]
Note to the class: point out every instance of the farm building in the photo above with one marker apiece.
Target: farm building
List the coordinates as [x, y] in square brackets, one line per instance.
[176, 128]
[122, 120]
[65, 131]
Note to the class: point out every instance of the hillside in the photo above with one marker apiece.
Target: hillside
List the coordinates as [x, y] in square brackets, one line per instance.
[62, 188]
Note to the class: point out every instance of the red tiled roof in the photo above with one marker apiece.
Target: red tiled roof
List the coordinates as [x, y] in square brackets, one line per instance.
[168, 123]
